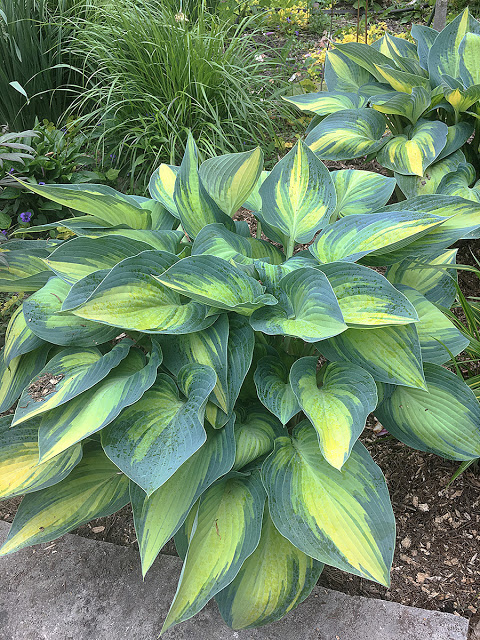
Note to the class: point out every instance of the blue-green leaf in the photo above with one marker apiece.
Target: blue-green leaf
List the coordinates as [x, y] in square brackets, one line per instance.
[308, 310]
[348, 134]
[152, 438]
[226, 531]
[443, 420]
[159, 516]
[298, 196]
[337, 402]
[343, 518]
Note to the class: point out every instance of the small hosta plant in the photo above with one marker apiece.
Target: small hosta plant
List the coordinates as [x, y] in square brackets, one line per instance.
[220, 382]
[424, 95]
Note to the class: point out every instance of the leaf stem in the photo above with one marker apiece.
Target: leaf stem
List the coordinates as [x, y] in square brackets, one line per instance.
[290, 247]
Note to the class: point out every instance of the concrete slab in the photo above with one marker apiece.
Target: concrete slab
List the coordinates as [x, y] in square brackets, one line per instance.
[79, 589]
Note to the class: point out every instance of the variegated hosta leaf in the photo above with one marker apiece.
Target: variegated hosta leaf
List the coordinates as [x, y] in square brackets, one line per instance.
[465, 218]
[366, 298]
[215, 240]
[93, 489]
[413, 186]
[443, 420]
[365, 56]
[226, 347]
[162, 186]
[92, 410]
[469, 53]
[129, 296]
[22, 272]
[353, 237]
[42, 312]
[273, 388]
[298, 196]
[337, 401]
[342, 74]
[462, 99]
[159, 516]
[213, 281]
[308, 310]
[343, 518]
[324, 103]
[151, 439]
[272, 581]
[15, 376]
[81, 256]
[389, 354]
[401, 81]
[161, 218]
[458, 183]
[19, 339]
[255, 432]
[229, 179]
[412, 153]
[19, 469]
[194, 206]
[408, 105]
[398, 49]
[360, 191]
[348, 134]
[166, 240]
[457, 136]
[421, 273]
[81, 226]
[67, 375]
[439, 338]
[104, 203]
[227, 530]
[444, 58]
[425, 37]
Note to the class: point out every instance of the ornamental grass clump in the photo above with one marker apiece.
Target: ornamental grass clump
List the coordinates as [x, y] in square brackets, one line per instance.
[152, 73]
[168, 359]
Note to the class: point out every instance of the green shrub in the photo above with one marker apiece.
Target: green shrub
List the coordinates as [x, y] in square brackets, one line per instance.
[168, 359]
[153, 75]
[426, 96]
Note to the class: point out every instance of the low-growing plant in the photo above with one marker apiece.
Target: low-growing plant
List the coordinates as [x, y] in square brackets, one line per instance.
[220, 383]
[54, 155]
[424, 96]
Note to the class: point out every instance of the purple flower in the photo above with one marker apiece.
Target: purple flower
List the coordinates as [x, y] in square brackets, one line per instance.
[288, 19]
[4, 231]
[11, 170]
[26, 216]
[41, 183]
[297, 33]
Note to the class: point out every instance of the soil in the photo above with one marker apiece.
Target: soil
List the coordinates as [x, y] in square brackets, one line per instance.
[44, 386]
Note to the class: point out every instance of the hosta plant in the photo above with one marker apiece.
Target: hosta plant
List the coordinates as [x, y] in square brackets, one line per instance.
[220, 382]
[425, 97]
